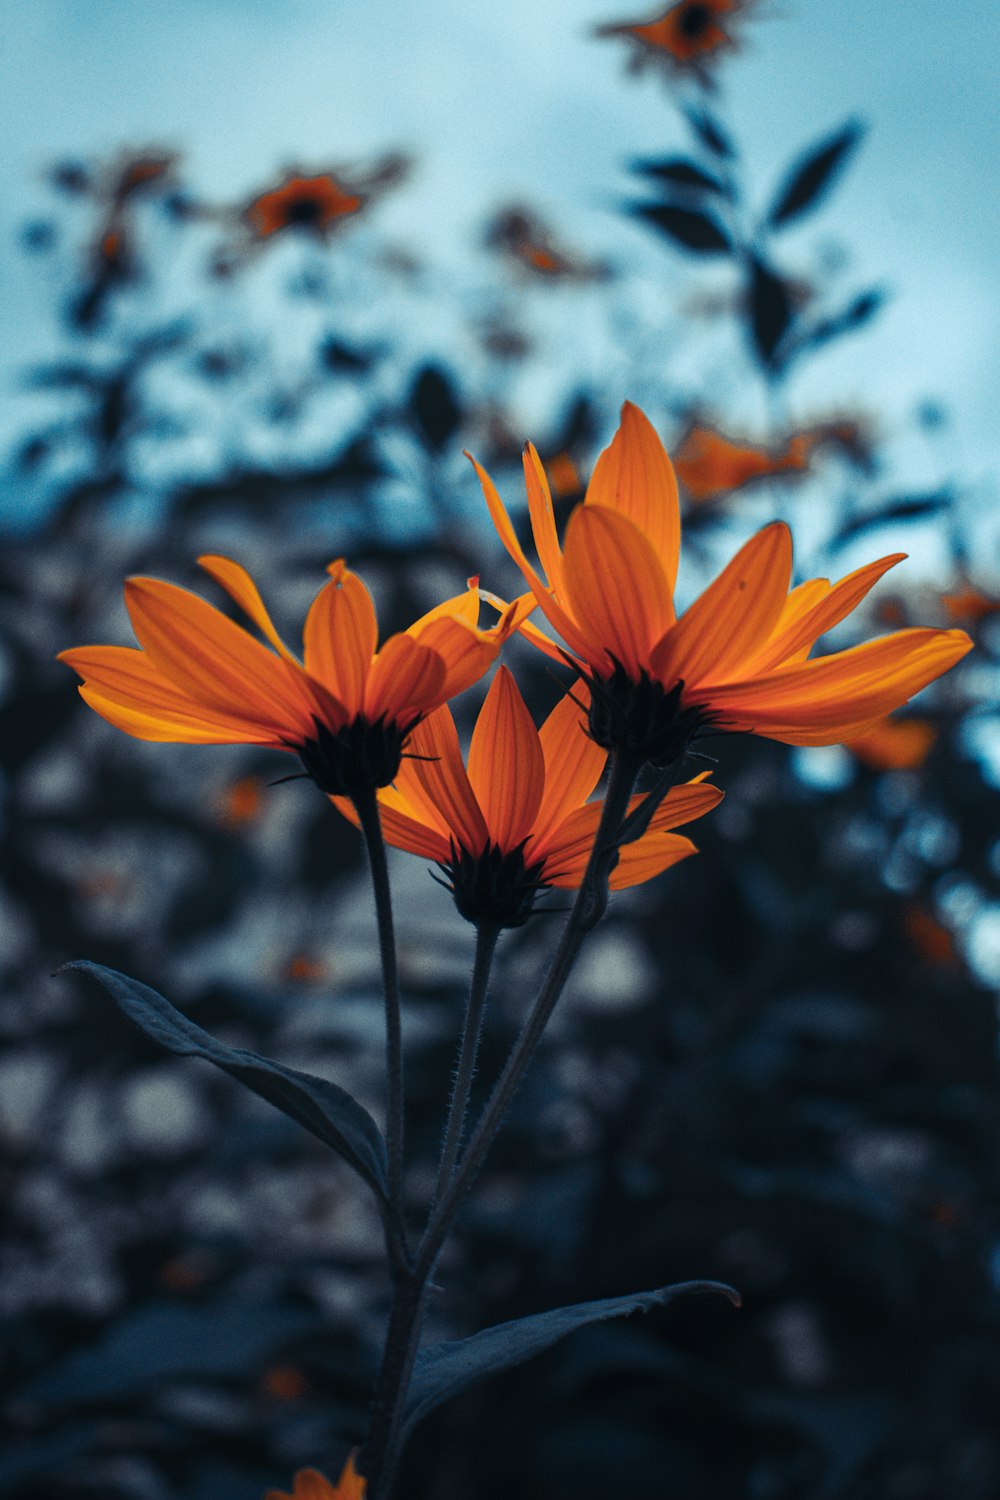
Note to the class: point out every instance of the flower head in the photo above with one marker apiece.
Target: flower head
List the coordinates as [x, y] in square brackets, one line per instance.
[709, 465]
[687, 35]
[345, 710]
[736, 660]
[312, 205]
[518, 820]
[311, 1485]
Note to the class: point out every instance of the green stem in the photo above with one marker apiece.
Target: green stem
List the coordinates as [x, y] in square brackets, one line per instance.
[468, 1051]
[587, 911]
[366, 806]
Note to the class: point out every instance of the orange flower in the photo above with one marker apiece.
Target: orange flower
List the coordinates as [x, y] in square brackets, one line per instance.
[201, 679]
[894, 744]
[709, 465]
[969, 604]
[686, 36]
[736, 660]
[518, 820]
[310, 1485]
[315, 205]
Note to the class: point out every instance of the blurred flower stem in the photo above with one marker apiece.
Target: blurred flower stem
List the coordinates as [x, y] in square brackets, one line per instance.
[458, 1170]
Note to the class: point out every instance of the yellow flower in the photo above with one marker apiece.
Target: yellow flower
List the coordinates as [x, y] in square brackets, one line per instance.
[736, 660]
[311, 1485]
[346, 710]
[518, 820]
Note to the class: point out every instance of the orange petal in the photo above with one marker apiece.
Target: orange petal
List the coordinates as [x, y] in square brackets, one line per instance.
[463, 607]
[400, 830]
[550, 606]
[616, 587]
[797, 636]
[240, 586]
[435, 781]
[506, 769]
[569, 852]
[215, 662]
[684, 803]
[649, 856]
[573, 763]
[465, 654]
[340, 636]
[124, 687]
[543, 520]
[728, 622]
[405, 680]
[635, 477]
[831, 696]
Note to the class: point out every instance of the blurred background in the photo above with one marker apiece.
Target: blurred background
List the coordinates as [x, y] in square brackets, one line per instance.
[267, 270]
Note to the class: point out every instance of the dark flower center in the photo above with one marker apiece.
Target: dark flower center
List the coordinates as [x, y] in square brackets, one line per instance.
[356, 758]
[494, 887]
[642, 718]
[694, 21]
[304, 211]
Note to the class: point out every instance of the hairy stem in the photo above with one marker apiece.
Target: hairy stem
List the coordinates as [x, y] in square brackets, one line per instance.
[468, 1051]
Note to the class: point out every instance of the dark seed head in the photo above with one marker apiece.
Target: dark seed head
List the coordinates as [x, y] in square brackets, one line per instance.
[304, 211]
[494, 887]
[641, 718]
[356, 758]
[694, 21]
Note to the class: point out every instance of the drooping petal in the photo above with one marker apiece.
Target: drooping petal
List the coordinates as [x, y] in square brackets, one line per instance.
[635, 477]
[435, 783]
[506, 769]
[340, 636]
[240, 587]
[213, 661]
[795, 638]
[543, 520]
[573, 762]
[615, 587]
[405, 679]
[466, 651]
[728, 622]
[825, 697]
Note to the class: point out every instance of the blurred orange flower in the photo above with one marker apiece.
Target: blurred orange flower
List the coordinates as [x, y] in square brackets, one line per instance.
[968, 605]
[313, 205]
[894, 744]
[736, 660]
[686, 36]
[522, 236]
[201, 679]
[311, 1485]
[931, 939]
[708, 464]
[518, 820]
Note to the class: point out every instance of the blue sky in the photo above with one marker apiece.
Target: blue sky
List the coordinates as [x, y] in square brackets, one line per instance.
[517, 100]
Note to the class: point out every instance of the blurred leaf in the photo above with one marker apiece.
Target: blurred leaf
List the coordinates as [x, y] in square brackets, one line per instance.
[855, 315]
[163, 1340]
[679, 171]
[324, 1109]
[442, 1371]
[771, 312]
[814, 173]
[72, 376]
[695, 231]
[906, 508]
[434, 407]
[708, 130]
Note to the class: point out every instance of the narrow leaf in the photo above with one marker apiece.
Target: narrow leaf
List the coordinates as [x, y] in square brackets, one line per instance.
[679, 172]
[711, 134]
[771, 312]
[814, 173]
[906, 508]
[444, 1370]
[855, 315]
[324, 1109]
[695, 231]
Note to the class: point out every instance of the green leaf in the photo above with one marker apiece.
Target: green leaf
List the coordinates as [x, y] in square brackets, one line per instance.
[695, 231]
[444, 1370]
[324, 1109]
[813, 174]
